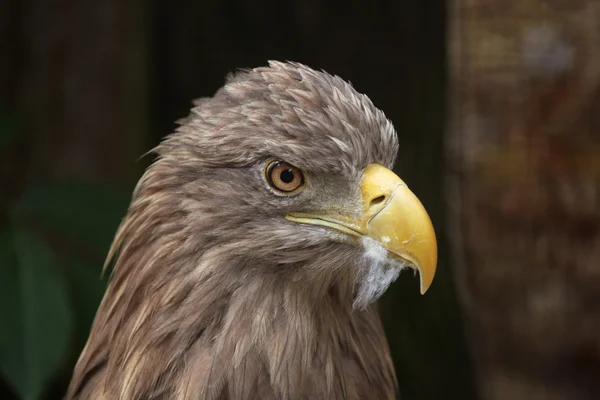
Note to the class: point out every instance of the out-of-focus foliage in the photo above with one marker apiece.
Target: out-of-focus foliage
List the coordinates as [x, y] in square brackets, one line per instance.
[84, 212]
[50, 282]
[36, 313]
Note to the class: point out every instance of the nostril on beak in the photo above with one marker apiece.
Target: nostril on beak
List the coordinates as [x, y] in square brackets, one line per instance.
[377, 201]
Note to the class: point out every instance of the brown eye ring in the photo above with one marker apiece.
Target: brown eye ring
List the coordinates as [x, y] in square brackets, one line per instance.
[284, 178]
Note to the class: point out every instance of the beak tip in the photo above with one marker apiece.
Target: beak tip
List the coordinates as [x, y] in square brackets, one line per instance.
[426, 275]
[424, 287]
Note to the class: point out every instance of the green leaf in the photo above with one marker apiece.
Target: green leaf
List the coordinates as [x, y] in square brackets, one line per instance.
[36, 318]
[84, 212]
[86, 291]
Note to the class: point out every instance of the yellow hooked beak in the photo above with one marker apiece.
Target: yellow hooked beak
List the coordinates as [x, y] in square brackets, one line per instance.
[393, 216]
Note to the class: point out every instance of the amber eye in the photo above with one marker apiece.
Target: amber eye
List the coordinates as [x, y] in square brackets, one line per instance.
[284, 177]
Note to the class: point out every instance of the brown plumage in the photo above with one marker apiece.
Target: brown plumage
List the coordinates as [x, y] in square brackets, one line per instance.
[215, 293]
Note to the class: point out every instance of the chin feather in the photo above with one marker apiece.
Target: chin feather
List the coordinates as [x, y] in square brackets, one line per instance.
[377, 271]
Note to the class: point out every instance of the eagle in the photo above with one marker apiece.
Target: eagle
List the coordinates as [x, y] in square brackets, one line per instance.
[254, 249]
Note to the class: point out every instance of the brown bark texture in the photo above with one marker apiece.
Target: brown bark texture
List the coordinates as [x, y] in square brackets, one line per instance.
[524, 188]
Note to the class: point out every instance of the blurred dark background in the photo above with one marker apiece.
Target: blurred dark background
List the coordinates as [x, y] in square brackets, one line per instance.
[496, 103]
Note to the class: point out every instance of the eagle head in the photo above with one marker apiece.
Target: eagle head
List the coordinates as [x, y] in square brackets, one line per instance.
[287, 170]
[268, 224]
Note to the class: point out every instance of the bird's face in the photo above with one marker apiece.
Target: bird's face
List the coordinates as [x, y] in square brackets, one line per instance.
[291, 168]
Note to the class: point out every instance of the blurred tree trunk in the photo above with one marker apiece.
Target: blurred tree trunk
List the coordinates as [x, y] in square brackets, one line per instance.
[524, 162]
[76, 74]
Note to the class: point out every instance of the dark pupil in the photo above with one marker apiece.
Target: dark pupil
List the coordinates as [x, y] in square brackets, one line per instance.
[286, 176]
